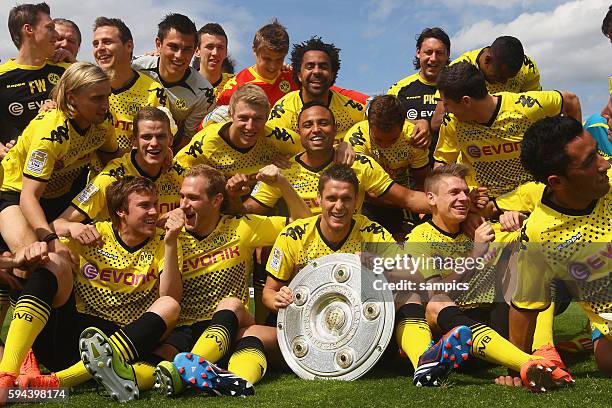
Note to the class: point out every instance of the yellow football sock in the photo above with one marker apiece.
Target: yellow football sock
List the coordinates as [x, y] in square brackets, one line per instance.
[124, 346]
[491, 346]
[29, 318]
[543, 333]
[216, 340]
[413, 335]
[249, 360]
[74, 375]
[145, 375]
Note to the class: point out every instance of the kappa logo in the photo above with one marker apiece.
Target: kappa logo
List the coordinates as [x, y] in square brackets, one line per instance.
[527, 101]
[117, 173]
[281, 134]
[195, 149]
[529, 64]
[277, 111]
[446, 119]
[354, 105]
[161, 96]
[59, 135]
[374, 229]
[284, 86]
[363, 160]
[357, 138]
[295, 232]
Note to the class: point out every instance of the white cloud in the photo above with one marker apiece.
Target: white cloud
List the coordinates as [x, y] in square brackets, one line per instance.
[496, 4]
[382, 9]
[142, 16]
[566, 43]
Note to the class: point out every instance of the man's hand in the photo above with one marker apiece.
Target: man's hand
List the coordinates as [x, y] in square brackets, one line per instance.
[484, 233]
[218, 115]
[47, 106]
[345, 154]
[174, 223]
[471, 223]
[236, 186]
[283, 298]
[512, 220]
[509, 381]
[269, 174]
[62, 55]
[86, 234]
[4, 148]
[479, 197]
[32, 254]
[421, 134]
[286, 68]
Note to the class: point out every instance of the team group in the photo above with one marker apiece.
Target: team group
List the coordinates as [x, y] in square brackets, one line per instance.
[139, 196]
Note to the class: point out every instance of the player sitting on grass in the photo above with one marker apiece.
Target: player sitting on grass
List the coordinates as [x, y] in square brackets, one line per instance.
[473, 307]
[110, 312]
[218, 258]
[567, 235]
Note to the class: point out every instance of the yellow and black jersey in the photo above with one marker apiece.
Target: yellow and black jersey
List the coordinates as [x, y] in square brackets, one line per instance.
[212, 146]
[397, 159]
[572, 245]
[284, 115]
[91, 201]
[304, 180]
[220, 84]
[116, 282]
[54, 150]
[23, 90]
[527, 79]
[492, 150]
[416, 95]
[125, 102]
[302, 242]
[523, 198]
[219, 265]
[437, 253]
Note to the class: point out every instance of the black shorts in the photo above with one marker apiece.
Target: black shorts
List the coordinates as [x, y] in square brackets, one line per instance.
[8, 198]
[183, 338]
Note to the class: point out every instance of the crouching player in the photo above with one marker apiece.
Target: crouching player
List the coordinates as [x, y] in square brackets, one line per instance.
[471, 308]
[214, 321]
[110, 312]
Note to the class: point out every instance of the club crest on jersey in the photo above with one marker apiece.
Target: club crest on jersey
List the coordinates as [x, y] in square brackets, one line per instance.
[284, 86]
[181, 104]
[53, 78]
[89, 271]
[37, 161]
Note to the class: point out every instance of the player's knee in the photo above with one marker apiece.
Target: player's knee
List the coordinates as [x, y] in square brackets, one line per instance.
[168, 309]
[436, 304]
[231, 303]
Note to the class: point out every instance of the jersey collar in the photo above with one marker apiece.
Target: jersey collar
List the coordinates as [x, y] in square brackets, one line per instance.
[495, 112]
[441, 231]
[547, 201]
[140, 170]
[128, 248]
[225, 130]
[129, 84]
[298, 159]
[171, 84]
[329, 98]
[329, 244]
[77, 129]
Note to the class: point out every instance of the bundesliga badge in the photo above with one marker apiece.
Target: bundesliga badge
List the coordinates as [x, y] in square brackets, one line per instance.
[338, 325]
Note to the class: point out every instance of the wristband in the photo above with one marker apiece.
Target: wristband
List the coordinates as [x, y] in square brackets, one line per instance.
[50, 237]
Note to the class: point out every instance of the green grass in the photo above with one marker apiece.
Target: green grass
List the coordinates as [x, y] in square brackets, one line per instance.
[390, 385]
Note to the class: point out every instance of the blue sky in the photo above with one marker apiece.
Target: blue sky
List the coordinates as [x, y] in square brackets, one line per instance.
[377, 38]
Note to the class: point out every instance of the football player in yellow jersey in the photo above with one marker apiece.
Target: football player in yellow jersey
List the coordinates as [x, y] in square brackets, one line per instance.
[386, 137]
[48, 165]
[505, 67]
[123, 297]
[568, 235]
[152, 140]
[239, 146]
[113, 47]
[484, 131]
[26, 81]
[471, 302]
[218, 251]
[315, 67]
[317, 134]
[211, 52]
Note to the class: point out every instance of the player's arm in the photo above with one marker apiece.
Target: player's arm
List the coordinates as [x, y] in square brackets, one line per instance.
[447, 150]
[276, 294]
[402, 197]
[28, 255]
[571, 105]
[170, 281]
[272, 176]
[421, 133]
[420, 175]
[436, 118]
